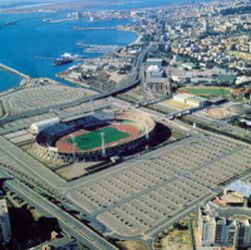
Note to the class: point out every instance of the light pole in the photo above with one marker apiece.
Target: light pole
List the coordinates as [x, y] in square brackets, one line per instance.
[147, 137]
[74, 148]
[102, 135]
[92, 106]
[147, 132]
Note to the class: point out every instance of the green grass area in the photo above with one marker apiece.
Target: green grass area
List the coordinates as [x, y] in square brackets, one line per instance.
[210, 91]
[176, 134]
[93, 139]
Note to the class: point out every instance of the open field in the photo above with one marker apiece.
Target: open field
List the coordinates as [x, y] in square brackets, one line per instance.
[207, 91]
[93, 140]
[132, 245]
[177, 105]
[177, 240]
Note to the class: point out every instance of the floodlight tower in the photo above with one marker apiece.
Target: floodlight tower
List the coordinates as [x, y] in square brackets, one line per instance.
[147, 137]
[147, 132]
[92, 106]
[102, 135]
[114, 115]
[74, 148]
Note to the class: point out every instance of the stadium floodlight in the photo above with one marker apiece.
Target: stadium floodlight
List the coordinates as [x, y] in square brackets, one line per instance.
[74, 147]
[102, 135]
[147, 132]
[92, 106]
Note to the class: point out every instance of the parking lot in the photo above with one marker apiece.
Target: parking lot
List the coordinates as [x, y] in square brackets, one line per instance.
[145, 193]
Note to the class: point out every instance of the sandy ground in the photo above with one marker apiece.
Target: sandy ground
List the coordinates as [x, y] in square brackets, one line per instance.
[218, 113]
[243, 55]
[177, 240]
[176, 105]
[114, 76]
[132, 245]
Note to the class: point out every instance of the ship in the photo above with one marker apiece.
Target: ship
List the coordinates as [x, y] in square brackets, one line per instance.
[64, 59]
[10, 23]
[47, 20]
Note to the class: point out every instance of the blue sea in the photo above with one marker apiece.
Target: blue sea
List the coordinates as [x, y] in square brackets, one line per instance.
[139, 4]
[31, 45]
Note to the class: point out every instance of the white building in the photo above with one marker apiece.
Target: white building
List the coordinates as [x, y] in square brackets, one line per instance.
[220, 230]
[37, 127]
[208, 227]
[191, 100]
[154, 71]
[5, 229]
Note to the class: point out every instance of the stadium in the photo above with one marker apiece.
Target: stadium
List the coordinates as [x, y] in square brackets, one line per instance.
[95, 137]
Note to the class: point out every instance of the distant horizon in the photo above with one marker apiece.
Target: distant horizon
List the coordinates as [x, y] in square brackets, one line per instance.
[10, 5]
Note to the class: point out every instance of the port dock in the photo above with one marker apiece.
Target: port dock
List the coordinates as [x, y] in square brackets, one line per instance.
[14, 71]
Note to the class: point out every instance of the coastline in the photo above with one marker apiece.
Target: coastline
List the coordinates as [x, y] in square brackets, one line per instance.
[120, 28]
[32, 60]
[130, 29]
[25, 77]
[32, 66]
[63, 75]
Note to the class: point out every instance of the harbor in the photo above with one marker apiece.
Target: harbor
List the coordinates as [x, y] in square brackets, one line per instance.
[35, 60]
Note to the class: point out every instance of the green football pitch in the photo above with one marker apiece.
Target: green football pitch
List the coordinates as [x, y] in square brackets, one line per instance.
[93, 139]
[210, 91]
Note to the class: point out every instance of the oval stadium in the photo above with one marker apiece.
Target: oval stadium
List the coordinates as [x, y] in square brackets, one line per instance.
[95, 137]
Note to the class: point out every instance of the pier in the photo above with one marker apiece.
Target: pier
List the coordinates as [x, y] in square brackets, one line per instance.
[96, 28]
[11, 70]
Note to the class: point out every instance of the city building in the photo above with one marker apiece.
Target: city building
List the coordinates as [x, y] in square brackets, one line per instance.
[226, 222]
[156, 82]
[64, 243]
[5, 228]
[207, 227]
[190, 100]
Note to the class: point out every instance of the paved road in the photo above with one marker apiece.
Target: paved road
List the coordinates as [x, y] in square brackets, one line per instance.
[78, 230]
[34, 167]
